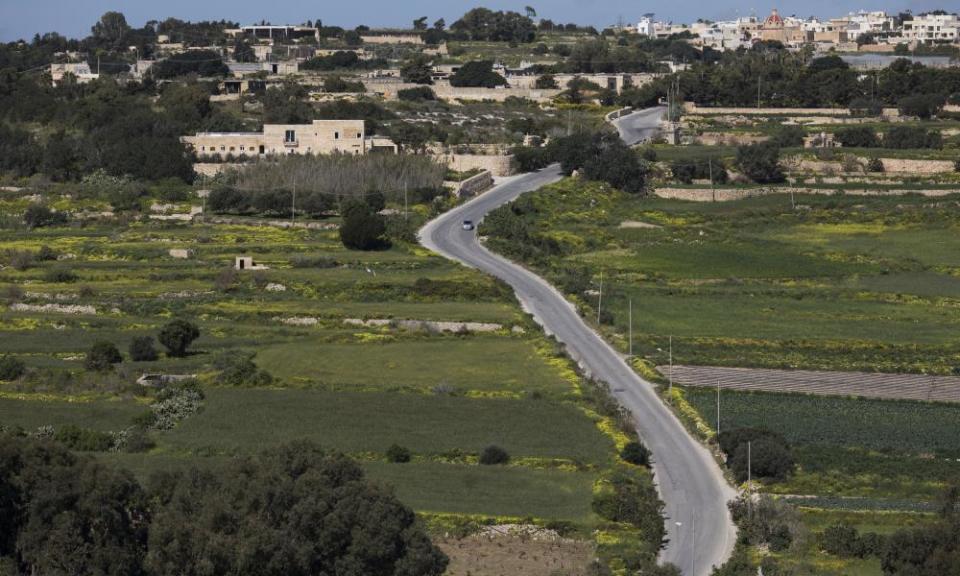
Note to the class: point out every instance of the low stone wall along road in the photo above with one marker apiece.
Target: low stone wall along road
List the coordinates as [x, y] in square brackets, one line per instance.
[869, 385]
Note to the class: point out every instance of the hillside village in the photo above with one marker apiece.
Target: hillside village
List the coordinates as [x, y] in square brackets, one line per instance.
[499, 295]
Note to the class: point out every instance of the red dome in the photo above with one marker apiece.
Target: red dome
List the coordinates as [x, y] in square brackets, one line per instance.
[773, 19]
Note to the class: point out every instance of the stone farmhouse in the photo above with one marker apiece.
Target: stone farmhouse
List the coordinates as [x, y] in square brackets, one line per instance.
[320, 137]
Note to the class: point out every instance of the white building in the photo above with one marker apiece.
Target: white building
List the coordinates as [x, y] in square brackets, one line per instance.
[932, 28]
[646, 27]
[80, 70]
[877, 23]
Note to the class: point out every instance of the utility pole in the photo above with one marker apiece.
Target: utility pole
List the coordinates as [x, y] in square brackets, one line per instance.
[293, 204]
[718, 408]
[671, 362]
[600, 299]
[713, 191]
[630, 320]
[758, 92]
[405, 214]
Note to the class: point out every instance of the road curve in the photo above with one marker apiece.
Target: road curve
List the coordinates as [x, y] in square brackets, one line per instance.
[639, 126]
[699, 528]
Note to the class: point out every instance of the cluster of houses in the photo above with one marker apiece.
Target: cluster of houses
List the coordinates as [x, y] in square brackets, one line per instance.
[841, 33]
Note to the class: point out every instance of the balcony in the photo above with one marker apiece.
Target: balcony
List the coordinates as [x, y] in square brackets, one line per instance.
[291, 143]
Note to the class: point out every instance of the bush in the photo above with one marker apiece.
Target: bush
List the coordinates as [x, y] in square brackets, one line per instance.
[857, 137]
[635, 453]
[760, 162]
[546, 82]
[477, 74]
[627, 496]
[956, 165]
[11, 367]
[875, 165]
[362, 228]
[788, 136]
[768, 459]
[530, 159]
[177, 335]
[46, 254]
[37, 216]
[842, 540]
[142, 349]
[226, 279]
[102, 356]
[687, 171]
[908, 137]
[83, 439]
[492, 455]
[176, 402]
[922, 106]
[398, 454]
[21, 260]
[418, 94]
[239, 369]
[862, 107]
[60, 275]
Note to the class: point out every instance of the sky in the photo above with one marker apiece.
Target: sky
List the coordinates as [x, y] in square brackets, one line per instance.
[73, 18]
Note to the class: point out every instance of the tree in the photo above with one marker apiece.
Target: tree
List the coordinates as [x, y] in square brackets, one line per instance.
[362, 228]
[485, 24]
[930, 550]
[296, 510]
[765, 457]
[492, 455]
[616, 164]
[546, 82]
[861, 107]
[111, 28]
[61, 514]
[11, 367]
[439, 25]
[418, 94]
[142, 350]
[635, 453]
[788, 136]
[177, 335]
[38, 216]
[102, 356]
[857, 137]
[907, 137]
[875, 165]
[398, 454]
[352, 38]
[760, 162]
[530, 12]
[243, 52]
[420, 23]
[923, 106]
[417, 70]
[477, 74]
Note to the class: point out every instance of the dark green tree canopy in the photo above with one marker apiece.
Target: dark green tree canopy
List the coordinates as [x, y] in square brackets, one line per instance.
[177, 335]
[477, 74]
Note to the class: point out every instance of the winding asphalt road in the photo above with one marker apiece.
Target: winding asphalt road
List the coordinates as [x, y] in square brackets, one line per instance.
[639, 126]
[699, 528]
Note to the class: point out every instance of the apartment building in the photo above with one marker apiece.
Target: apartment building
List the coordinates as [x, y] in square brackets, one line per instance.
[319, 137]
[932, 28]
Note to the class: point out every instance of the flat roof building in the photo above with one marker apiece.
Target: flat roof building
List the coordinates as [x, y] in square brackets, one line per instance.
[319, 137]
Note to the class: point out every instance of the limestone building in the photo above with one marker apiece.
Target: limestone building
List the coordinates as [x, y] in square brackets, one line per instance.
[319, 137]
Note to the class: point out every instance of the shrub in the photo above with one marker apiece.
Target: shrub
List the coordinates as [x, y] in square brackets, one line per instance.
[531, 159]
[37, 216]
[21, 260]
[494, 455]
[630, 497]
[788, 136]
[238, 369]
[865, 107]
[635, 453]
[841, 540]
[546, 82]
[142, 349]
[226, 279]
[875, 165]
[921, 105]
[60, 275]
[857, 137]
[477, 74]
[417, 94]
[760, 162]
[956, 165]
[83, 439]
[768, 459]
[11, 367]
[398, 454]
[102, 356]
[177, 335]
[46, 254]
[687, 171]
[176, 402]
[907, 137]
[362, 228]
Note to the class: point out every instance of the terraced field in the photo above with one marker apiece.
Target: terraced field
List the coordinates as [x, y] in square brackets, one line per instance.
[865, 384]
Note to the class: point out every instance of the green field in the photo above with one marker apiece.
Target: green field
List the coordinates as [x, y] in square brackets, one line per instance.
[846, 283]
[445, 396]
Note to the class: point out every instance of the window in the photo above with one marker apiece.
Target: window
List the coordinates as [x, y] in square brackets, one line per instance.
[203, 148]
[241, 148]
[222, 148]
[336, 135]
[232, 148]
[290, 136]
[359, 135]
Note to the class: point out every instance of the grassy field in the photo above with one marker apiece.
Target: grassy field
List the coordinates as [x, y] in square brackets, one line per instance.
[445, 396]
[843, 283]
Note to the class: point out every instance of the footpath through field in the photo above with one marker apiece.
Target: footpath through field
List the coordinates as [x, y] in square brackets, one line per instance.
[866, 384]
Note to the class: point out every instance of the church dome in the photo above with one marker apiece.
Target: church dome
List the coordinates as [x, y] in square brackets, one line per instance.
[773, 20]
